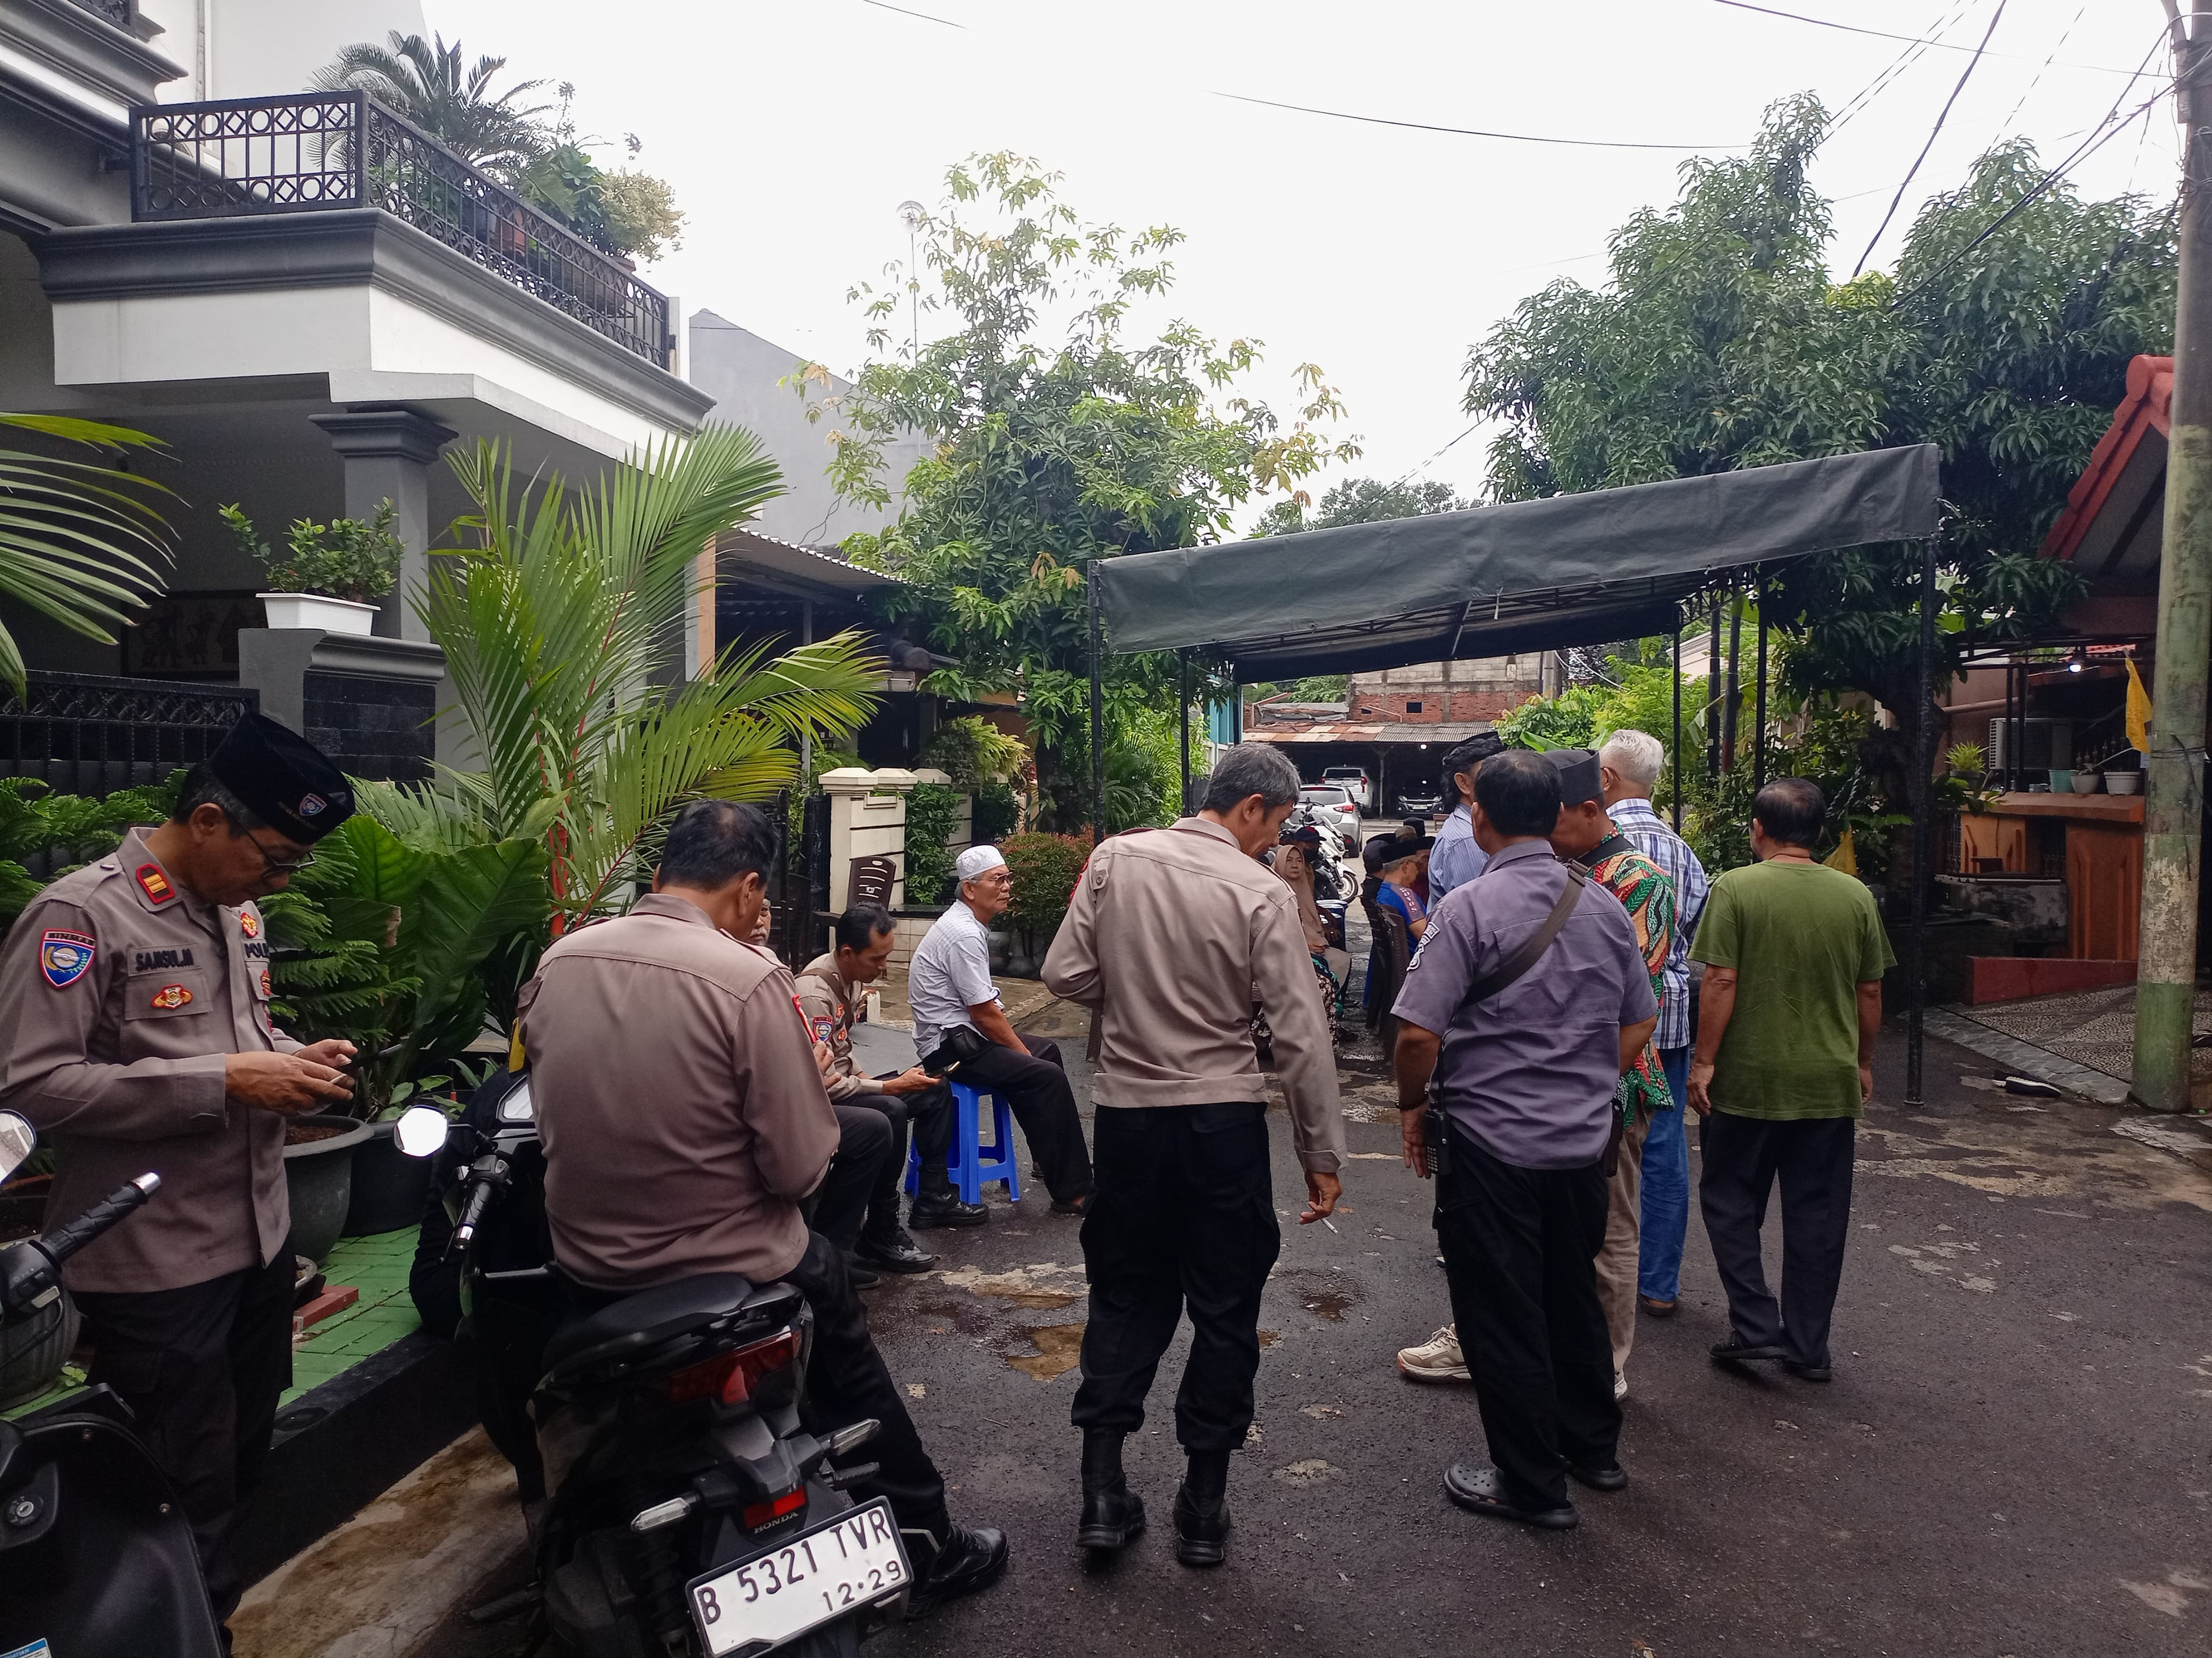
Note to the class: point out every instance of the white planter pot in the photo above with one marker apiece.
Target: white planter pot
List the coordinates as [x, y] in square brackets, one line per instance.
[333, 616]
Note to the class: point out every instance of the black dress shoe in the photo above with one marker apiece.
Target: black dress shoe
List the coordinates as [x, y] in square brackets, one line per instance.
[1808, 1372]
[1201, 1510]
[931, 1210]
[1112, 1513]
[864, 1275]
[1614, 1479]
[967, 1561]
[1743, 1353]
[1480, 1490]
[895, 1254]
[1072, 1205]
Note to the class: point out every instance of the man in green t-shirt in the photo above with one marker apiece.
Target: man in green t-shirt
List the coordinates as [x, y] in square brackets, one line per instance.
[1789, 1012]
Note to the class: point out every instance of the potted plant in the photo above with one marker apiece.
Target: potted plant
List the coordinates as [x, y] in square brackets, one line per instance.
[328, 575]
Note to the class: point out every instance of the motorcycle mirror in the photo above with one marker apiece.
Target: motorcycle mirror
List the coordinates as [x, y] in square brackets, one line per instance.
[17, 1137]
[421, 1131]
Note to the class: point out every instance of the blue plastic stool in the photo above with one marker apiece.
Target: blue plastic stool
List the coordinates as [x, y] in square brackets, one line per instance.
[973, 1166]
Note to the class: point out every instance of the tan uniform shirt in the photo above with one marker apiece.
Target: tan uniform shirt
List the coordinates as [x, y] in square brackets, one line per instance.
[1172, 935]
[677, 1096]
[832, 1005]
[120, 996]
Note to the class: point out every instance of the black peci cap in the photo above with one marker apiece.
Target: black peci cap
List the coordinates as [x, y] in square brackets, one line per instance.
[1384, 850]
[285, 779]
[1579, 776]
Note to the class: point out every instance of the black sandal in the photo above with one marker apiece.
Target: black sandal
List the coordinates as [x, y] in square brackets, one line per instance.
[1480, 1490]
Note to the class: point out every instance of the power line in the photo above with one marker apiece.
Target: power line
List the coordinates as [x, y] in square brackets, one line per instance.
[885, 5]
[1884, 34]
[2037, 81]
[1965, 75]
[1466, 132]
[1895, 70]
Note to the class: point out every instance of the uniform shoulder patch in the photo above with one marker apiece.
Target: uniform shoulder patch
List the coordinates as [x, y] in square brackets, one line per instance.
[65, 957]
[155, 884]
[249, 923]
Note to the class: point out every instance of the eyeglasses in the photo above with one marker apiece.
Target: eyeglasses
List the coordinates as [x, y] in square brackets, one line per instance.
[277, 865]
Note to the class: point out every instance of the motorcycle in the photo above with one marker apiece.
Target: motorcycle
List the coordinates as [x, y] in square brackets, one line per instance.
[688, 1509]
[95, 1552]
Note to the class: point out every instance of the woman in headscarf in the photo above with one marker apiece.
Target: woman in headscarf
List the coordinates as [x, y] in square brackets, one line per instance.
[1293, 864]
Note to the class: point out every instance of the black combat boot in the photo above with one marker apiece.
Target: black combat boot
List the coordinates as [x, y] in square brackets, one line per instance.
[1112, 1513]
[965, 1561]
[936, 1204]
[1201, 1510]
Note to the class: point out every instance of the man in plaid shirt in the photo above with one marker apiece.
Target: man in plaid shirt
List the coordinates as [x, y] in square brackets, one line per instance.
[1630, 761]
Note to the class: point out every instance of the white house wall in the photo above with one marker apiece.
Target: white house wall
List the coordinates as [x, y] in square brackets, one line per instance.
[253, 48]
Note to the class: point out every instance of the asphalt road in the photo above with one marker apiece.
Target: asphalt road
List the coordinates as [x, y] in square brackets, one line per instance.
[2012, 1460]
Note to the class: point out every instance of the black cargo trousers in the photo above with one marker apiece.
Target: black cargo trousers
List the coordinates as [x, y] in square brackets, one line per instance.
[1182, 1214]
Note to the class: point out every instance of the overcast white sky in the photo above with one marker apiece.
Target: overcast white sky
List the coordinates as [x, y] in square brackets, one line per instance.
[790, 134]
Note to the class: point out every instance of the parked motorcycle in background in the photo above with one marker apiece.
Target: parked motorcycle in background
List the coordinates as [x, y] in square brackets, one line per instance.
[96, 1556]
[688, 1510]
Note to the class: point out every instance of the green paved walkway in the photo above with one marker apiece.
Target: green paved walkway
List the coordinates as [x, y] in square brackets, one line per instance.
[377, 1267]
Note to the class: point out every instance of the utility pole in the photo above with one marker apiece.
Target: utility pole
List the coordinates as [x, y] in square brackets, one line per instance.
[2173, 788]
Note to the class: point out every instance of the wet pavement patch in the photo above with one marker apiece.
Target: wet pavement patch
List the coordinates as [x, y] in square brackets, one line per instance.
[1058, 1348]
[1311, 1471]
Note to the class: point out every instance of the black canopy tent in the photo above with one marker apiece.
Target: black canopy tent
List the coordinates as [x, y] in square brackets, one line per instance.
[1531, 575]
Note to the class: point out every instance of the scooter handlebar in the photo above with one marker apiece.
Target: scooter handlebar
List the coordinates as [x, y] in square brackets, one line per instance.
[64, 1242]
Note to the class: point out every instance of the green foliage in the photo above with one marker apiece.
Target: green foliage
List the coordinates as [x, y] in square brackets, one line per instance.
[998, 812]
[406, 950]
[972, 751]
[427, 81]
[1052, 448]
[1716, 821]
[63, 832]
[347, 558]
[553, 625]
[1359, 500]
[933, 812]
[78, 542]
[1045, 869]
[533, 148]
[1720, 342]
[1569, 720]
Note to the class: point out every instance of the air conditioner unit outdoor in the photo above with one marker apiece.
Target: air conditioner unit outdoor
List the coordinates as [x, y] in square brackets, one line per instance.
[2045, 744]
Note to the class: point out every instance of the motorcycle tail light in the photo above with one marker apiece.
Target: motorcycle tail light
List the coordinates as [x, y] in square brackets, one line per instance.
[731, 1377]
[757, 1515]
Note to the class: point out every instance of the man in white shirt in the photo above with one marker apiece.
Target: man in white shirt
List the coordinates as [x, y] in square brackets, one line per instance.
[949, 988]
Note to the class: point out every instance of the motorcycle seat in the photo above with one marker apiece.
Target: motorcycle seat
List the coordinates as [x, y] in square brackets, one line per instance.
[643, 1321]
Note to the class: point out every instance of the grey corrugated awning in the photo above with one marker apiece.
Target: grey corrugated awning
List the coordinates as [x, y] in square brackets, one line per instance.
[1530, 575]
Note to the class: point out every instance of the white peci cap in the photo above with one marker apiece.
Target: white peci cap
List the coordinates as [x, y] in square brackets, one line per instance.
[977, 860]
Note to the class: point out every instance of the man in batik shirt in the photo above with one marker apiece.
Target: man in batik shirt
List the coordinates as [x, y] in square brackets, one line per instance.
[1586, 836]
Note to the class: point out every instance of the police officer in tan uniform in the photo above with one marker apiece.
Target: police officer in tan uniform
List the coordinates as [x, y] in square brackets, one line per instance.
[135, 1032]
[832, 989]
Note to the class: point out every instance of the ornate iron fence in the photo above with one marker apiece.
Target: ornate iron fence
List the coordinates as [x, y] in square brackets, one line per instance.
[314, 151]
[117, 12]
[88, 734]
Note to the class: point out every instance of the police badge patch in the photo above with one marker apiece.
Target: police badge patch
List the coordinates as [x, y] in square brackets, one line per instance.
[825, 1027]
[249, 924]
[169, 996]
[65, 957]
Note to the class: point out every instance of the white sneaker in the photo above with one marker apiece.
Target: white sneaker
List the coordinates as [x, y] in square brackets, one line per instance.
[1620, 1386]
[1436, 1359]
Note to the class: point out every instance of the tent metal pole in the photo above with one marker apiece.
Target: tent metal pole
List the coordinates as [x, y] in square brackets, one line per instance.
[1713, 694]
[1923, 819]
[1758, 711]
[1674, 752]
[1097, 717]
[1729, 709]
[1182, 703]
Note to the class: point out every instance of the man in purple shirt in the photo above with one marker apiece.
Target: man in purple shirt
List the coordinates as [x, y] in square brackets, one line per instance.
[1525, 1077]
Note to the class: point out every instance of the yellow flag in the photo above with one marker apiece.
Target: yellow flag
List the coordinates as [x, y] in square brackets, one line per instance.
[2138, 710]
[1844, 857]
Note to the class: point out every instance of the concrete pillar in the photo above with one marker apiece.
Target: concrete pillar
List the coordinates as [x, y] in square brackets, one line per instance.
[867, 819]
[387, 452]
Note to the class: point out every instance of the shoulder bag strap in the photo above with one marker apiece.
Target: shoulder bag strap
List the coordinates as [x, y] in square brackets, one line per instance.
[1533, 948]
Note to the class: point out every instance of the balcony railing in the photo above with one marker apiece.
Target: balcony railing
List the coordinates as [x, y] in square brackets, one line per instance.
[117, 12]
[314, 151]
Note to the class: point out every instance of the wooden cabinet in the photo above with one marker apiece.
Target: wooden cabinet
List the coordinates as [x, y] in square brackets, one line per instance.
[2103, 886]
[1983, 836]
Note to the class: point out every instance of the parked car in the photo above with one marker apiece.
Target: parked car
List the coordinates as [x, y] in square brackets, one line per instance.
[1354, 783]
[1333, 803]
[1421, 801]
